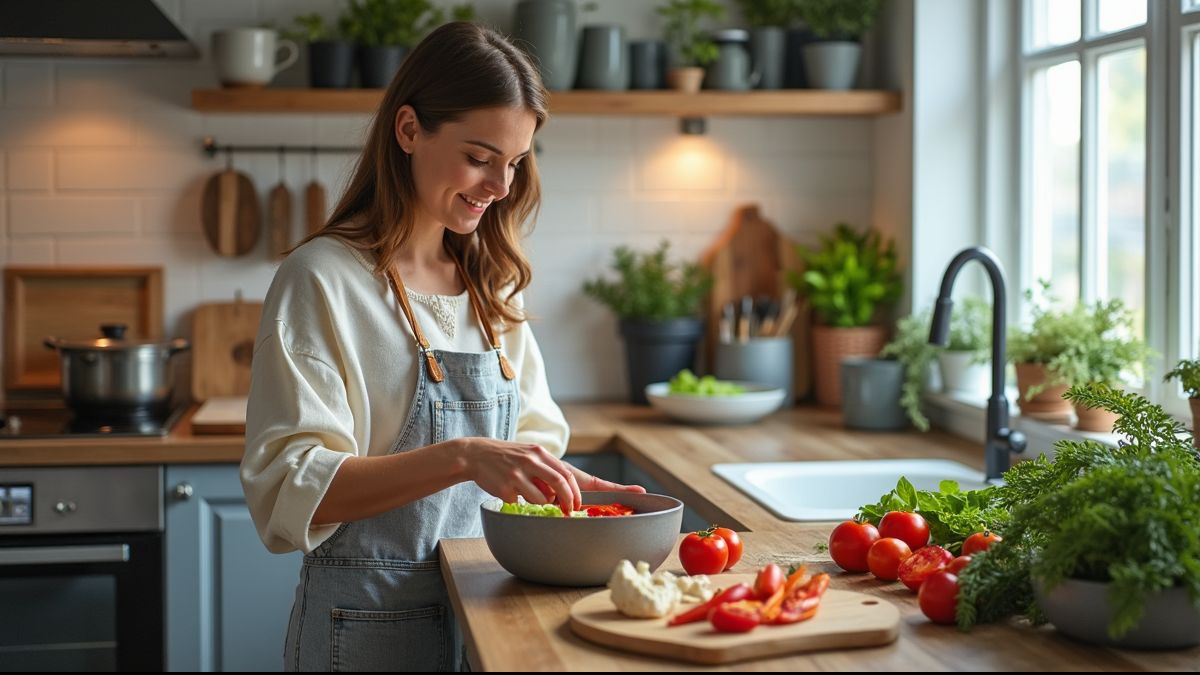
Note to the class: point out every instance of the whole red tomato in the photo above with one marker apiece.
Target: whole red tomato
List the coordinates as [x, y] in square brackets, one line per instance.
[910, 528]
[770, 578]
[884, 557]
[979, 542]
[733, 541]
[849, 543]
[922, 563]
[703, 552]
[958, 564]
[938, 597]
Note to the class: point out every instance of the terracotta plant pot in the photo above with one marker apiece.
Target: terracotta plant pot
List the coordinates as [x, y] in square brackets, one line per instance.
[687, 80]
[1048, 405]
[1195, 403]
[830, 346]
[1094, 419]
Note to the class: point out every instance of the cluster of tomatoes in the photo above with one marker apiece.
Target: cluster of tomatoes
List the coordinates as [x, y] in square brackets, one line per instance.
[899, 549]
[710, 551]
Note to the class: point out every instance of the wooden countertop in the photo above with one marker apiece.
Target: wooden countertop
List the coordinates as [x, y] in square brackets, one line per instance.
[517, 626]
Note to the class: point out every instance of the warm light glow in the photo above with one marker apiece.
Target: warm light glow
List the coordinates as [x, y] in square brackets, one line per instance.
[686, 163]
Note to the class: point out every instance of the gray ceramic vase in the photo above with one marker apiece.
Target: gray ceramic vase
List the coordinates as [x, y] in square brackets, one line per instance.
[832, 65]
[546, 30]
[871, 394]
[603, 59]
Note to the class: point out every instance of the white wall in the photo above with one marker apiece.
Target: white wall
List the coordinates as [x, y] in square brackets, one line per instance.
[100, 164]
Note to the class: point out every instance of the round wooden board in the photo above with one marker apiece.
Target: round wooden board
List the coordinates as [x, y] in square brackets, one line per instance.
[845, 619]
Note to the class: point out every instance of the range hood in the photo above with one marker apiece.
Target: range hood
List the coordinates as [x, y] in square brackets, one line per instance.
[90, 28]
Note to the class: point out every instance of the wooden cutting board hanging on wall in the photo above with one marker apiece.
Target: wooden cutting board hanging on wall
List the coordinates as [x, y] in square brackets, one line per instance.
[751, 257]
[222, 344]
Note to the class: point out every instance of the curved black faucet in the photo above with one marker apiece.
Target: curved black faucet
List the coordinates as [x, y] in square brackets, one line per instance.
[1000, 439]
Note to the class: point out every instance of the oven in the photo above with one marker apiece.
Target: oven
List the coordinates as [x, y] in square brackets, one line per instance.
[81, 569]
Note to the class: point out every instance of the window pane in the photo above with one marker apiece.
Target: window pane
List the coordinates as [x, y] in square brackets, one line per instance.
[1191, 5]
[1053, 22]
[1055, 180]
[1116, 15]
[1192, 347]
[1121, 177]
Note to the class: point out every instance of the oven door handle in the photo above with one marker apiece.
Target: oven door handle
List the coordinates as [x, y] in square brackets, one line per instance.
[64, 555]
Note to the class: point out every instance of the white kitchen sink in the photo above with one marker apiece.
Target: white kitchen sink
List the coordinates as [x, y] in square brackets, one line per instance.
[813, 491]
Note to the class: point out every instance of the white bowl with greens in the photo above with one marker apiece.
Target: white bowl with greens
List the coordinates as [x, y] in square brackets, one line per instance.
[706, 400]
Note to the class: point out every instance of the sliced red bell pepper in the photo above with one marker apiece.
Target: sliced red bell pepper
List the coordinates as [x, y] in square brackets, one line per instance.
[734, 593]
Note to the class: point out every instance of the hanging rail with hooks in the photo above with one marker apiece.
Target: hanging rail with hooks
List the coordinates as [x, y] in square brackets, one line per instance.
[212, 148]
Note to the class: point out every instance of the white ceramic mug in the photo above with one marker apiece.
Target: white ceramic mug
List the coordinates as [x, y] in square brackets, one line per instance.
[249, 57]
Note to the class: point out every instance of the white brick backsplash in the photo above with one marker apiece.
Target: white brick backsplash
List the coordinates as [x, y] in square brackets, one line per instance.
[130, 169]
[70, 215]
[32, 251]
[818, 136]
[803, 174]
[161, 128]
[176, 213]
[29, 84]
[739, 135]
[567, 134]
[29, 169]
[567, 212]
[130, 85]
[342, 130]
[583, 171]
[686, 163]
[614, 135]
[260, 129]
[64, 128]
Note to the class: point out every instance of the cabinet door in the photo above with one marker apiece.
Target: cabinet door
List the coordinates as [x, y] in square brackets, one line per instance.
[228, 598]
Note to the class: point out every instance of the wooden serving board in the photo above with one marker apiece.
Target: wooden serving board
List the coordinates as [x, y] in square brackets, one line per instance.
[223, 337]
[845, 619]
[221, 415]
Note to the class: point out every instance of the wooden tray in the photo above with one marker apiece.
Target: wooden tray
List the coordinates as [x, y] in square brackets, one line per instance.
[222, 345]
[72, 302]
[845, 619]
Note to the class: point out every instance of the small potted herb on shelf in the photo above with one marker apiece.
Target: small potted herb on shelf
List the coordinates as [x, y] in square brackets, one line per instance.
[965, 363]
[658, 305]
[1188, 374]
[384, 31]
[831, 61]
[330, 55]
[691, 50]
[1102, 540]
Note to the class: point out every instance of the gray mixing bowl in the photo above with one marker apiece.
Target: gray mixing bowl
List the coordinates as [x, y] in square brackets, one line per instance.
[583, 551]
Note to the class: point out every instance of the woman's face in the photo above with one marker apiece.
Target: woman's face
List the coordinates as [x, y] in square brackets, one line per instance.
[465, 166]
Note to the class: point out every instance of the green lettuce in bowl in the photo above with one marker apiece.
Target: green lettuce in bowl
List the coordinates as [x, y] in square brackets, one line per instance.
[686, 382]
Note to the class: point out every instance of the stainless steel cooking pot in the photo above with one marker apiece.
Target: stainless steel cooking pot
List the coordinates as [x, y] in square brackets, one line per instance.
[113, 376]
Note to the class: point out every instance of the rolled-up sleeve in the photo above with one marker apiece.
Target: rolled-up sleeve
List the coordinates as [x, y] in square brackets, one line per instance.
[299, 430]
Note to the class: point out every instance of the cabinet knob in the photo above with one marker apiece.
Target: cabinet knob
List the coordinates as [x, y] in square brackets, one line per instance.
[183, 491]
[63, 508]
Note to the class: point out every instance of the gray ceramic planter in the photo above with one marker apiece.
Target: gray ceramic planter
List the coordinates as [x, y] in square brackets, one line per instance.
[871, 394]
[1081, 610]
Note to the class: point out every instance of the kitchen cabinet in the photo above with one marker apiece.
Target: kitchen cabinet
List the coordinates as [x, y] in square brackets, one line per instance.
[227, 597]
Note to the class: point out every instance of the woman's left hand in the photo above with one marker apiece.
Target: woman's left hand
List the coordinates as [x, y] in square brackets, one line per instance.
[589, 482]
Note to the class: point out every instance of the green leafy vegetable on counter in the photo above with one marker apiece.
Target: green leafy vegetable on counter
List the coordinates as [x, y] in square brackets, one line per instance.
[686, 382]
[952, 514]
[543, 510]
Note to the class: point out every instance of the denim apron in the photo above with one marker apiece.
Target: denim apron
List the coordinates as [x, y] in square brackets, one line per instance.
[371, 597]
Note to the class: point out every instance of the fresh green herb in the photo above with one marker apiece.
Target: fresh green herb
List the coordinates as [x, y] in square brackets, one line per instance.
[953, 515]
[821, 548]
[650, 288]
[838, 19]
[1188, 374]
[849, 276]
[686, 382]
[685, 36]
[1123, 515]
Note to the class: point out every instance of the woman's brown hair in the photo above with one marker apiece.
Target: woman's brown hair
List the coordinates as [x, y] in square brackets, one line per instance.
[458, 68]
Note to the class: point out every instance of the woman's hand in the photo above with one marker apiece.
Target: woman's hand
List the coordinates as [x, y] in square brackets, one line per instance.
[588, 482]
[505, 470]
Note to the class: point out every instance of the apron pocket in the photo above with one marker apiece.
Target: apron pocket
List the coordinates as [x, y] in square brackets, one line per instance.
[459, 419]
[407, 640]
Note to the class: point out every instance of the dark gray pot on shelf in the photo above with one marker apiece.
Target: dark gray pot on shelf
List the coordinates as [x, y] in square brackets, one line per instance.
[767, 45]
[794, 75]
[603, 59]
[1082, 610]
[871, 394]
[330, 64]
[832, 64]
[656, 350]
[378, 65]
[546, 30]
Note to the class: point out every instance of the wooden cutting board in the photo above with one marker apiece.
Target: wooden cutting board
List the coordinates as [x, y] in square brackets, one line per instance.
[221, 415]
[222, 344]
[845, 619]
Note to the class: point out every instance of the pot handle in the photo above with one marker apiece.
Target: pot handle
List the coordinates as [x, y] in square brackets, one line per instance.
[178, 345]
[51, 342]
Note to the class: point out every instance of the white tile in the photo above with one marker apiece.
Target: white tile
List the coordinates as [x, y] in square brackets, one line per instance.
[130, 85]
[585, 172]
[30, 251]
[259, 129]
[565, 211]
[687, 163]
[221, 279]
[24, 128]
[614, 134]
[739, 135]
[567, 134]
[132, 169]
[36, 216]
[161, 128]
[819, 135]
[342, 130]
[29, 84]
[802, 174]
[29, 169]
[175, 213]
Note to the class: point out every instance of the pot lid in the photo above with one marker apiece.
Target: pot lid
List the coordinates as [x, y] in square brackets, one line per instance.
[113, 339]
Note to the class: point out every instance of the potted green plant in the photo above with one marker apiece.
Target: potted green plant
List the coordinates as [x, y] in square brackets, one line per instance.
[768, 21]
[657, 303]
[965, 362]
[330, 55]
[913, 353]
[1031, 350]
[846, 280]
[691, 49]
[384, 31]
[832, 60]
[1187, 372]
[1102, 539]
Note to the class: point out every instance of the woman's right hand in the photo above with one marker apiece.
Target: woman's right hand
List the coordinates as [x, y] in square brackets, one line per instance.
[505, 469]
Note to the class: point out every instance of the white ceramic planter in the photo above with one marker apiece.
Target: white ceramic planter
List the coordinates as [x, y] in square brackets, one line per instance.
[961, 376]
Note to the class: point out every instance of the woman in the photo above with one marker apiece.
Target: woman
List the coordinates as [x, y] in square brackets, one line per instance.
[384, 405]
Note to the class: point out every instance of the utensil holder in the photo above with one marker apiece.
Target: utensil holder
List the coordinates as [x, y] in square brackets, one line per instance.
[760, 360]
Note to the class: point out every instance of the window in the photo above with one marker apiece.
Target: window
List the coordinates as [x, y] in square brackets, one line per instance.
[1110, 158]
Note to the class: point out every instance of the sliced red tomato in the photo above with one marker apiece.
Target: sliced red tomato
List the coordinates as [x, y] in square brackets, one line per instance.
[922, 563]
[602, 510]
[736, 617]
[734, 593]
[770, 579]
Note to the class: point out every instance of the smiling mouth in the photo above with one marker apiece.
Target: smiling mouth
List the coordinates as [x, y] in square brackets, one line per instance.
[473, 203]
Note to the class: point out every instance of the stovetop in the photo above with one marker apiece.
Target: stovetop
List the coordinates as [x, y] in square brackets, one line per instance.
[61, 423]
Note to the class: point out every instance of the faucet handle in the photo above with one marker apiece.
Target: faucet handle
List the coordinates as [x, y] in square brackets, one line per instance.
[1015, 440]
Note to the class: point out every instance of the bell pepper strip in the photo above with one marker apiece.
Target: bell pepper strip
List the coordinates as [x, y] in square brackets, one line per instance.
[599, 510]
[734, 593]
[802, 601]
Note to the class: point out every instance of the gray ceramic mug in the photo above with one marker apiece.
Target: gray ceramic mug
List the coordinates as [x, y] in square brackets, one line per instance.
[759, 360]
[603, 60]
[249, 57]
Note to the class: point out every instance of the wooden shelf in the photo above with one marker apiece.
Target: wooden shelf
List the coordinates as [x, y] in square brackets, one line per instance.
[724, 103]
